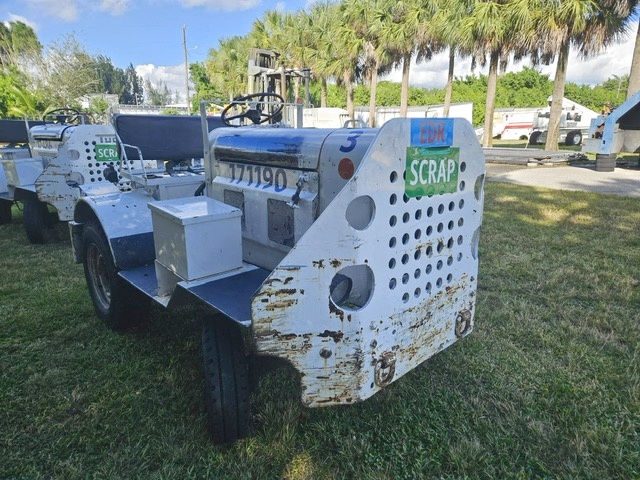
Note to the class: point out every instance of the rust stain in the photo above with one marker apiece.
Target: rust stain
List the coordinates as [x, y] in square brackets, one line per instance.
[337, 336]
[336, 311]
[288, 280]
[335, 263]
[267, 334]
[283, 292]
[318, 263]
[281, 305]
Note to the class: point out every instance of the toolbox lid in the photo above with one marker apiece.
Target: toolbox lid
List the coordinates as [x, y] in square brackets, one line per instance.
[191, 210]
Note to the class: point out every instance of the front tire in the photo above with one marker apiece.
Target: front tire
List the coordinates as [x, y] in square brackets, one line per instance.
[116, 302]
[226, 373]
[36, 219]
[5, 211]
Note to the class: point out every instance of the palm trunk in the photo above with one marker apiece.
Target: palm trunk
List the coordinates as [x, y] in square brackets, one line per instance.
[283, 83]
[404, 93]
[553, 130]
[634, 74]
[351, 109]
[296, 90]
[448, 90]
[323, 92]
[374, 91]
[492, 82]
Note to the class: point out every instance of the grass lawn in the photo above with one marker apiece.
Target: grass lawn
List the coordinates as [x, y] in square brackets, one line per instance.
[547, 386]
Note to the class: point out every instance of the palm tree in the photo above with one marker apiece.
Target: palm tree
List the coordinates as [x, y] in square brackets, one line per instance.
[626, 9]
[406, 31]
[346, 53]
[487, 33]
[227, 66]
[364, 18]
[321, 22]
[447, 21]
[590, 26]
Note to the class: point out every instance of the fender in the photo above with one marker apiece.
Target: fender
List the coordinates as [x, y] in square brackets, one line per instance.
[125, 220]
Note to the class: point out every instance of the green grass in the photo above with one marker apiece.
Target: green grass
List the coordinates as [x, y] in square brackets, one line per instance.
[547, 386]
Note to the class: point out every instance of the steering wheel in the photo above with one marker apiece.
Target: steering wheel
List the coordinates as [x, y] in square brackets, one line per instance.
[257, 107]
[63, 115]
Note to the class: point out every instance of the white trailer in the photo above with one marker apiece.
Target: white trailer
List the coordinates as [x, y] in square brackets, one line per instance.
[513, 123]
[351, 254]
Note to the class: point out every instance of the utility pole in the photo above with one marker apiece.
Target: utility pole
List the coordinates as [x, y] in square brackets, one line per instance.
[186, 66]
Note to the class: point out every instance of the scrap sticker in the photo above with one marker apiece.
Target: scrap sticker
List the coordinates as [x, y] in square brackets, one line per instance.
[106, 152]
[431, 132]
[431, 171]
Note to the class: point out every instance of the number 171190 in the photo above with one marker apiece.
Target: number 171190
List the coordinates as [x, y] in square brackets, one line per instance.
[258, 176]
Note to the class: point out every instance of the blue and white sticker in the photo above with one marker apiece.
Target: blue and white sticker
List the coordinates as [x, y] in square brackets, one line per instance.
[431, 132]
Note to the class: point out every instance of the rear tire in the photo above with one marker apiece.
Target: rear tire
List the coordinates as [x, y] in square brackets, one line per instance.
[116, 302]
[36, 219]
[226, 373]
[534, 137]
[5, 211]
[573, 138]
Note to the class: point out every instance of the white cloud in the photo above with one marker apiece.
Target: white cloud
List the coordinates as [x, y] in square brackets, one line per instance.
[615, 60]
[66, 10]
[173, 76]
[224, 5]
[114, 7]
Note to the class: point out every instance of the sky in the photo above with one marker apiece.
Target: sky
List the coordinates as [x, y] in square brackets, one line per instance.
[149, 35]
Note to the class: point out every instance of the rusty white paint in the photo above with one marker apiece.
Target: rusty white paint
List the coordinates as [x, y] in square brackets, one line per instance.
[347, 354]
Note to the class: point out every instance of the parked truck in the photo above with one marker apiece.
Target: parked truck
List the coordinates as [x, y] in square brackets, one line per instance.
[574, 123]
[351, 254]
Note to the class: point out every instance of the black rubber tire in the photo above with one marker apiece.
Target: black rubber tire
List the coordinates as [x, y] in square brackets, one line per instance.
[37, 220]
[573, 138]
[5, 211]
[227, 385]
[534, 137]
[605, 163]
[116, 302]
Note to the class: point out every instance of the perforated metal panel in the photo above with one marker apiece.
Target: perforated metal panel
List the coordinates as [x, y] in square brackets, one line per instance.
[73, 162]
[385, 278]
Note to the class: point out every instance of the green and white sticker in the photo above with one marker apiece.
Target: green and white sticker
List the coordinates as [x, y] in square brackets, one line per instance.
[431, 171]
[107, 152]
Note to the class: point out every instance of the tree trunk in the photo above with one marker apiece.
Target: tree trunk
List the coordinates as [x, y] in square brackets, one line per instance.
[374, 91]
[448, 89]
[634, 73]
[323, 92]
[296, 90]
[351, 108]
[404, 93]
[553, 130]
[283, 83]
[492, 82]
